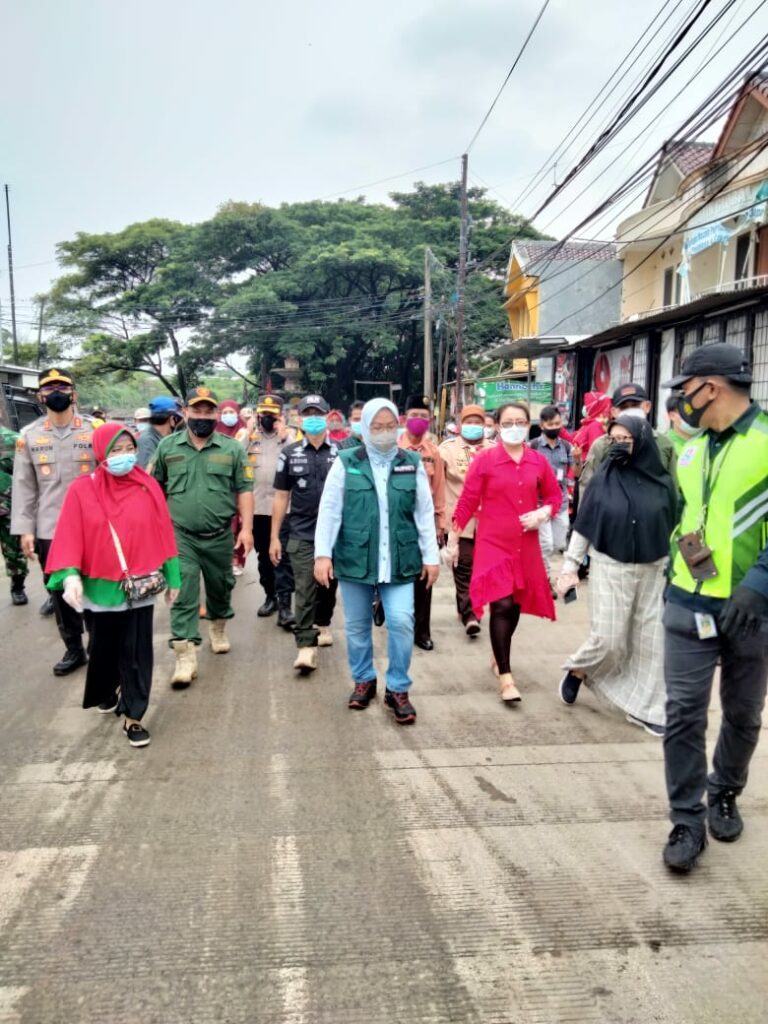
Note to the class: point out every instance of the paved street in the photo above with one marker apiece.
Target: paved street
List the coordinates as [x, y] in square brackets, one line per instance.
[272, 857]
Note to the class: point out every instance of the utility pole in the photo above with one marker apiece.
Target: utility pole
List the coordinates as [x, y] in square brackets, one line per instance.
[463, 233]
[40, 331]
[10, 277]
[428, 388]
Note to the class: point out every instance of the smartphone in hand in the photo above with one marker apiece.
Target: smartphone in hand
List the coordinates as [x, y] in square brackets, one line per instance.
[570, 595]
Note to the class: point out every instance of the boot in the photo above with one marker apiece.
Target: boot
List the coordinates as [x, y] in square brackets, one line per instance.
[46, 608]
[285, 616]
[324, 636]
[18, 593]
[268, 608]
[306, 660]
[73, 658]
[186, 664]
[218, 636]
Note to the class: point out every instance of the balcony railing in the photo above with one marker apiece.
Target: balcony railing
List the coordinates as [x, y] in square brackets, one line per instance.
[742, 285]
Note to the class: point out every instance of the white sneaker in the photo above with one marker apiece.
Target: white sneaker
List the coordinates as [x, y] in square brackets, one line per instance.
[237, 570]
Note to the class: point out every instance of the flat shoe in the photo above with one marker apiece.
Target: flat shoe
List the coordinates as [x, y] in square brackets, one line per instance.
[510, 694]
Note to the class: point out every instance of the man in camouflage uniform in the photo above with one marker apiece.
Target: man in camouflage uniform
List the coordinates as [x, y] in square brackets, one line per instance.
[15, 562]
[51, 453]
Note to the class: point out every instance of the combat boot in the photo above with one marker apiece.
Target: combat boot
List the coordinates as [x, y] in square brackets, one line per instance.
[306, 660]
[186, 664]
[217, 633]
[18, 593]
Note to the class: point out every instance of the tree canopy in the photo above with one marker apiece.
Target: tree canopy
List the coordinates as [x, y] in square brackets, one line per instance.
[336, 285]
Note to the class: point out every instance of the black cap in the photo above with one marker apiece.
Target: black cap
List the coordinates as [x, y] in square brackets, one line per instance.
[197, 395]
[417, 402]
[717, 360]
[55, 376]
[313, 402]
[629, 393]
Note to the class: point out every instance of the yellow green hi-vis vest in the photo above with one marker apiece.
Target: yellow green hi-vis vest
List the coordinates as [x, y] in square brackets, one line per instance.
[736, 527]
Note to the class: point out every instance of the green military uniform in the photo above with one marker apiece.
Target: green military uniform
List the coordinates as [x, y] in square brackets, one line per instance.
[15, 563]
[201, 486]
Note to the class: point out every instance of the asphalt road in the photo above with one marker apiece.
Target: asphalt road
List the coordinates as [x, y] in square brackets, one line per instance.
[273, 857]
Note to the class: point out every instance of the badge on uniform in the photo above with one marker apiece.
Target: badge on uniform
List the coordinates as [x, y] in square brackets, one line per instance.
[706, 626]
[687, 456]
[248, 472]
[404, 469]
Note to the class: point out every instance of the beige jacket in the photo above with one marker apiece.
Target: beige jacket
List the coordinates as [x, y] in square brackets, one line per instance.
[263, 451]
[457, 454]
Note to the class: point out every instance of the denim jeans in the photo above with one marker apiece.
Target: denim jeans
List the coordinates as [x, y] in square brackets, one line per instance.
[397, 599]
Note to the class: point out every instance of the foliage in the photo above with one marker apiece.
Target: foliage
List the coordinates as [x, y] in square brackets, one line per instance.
[336, 285]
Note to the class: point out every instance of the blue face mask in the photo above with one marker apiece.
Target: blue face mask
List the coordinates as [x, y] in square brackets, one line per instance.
[313, 424]
[119, 465]
[229, 419]
[356, 428]
[472, 432]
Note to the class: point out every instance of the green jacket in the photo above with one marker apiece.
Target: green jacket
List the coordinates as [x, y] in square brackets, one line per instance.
[736, 527]
[356, 552]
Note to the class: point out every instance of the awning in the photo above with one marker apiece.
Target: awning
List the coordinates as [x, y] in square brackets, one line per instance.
[534, 348]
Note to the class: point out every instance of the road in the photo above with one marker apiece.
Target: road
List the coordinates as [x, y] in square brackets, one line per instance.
[273, 857]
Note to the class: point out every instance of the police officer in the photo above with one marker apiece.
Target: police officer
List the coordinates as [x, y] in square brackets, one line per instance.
[15, 563]
[717, 600]
[164, 417]
[207, 480]
[50, 454]
[301, 471]
[266, 441]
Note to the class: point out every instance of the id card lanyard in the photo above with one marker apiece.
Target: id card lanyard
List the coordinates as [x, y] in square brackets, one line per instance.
[710, 473]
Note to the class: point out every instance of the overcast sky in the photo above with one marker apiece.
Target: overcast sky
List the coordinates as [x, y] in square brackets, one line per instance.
[116, 112]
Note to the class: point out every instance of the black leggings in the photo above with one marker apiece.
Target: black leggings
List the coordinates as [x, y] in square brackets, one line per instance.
[505, 615]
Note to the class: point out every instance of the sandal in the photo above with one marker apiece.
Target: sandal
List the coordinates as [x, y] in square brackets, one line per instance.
[509, 692]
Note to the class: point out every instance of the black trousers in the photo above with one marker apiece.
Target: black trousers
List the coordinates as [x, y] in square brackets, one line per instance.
[276, 581]
[69, 621]
[689, 668]
[462, 577]
[422, 606]
[121, 656]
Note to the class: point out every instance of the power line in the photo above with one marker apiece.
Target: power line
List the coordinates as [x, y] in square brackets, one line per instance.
[515, 62]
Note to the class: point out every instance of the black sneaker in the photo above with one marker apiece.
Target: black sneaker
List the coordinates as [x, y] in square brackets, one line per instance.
[362, 695]
[137, 735]
[472, 628]
[73, 658]
[268, 608]
[725, 822]
[108, 706]
[683, 848]
[569, 688]
[404, 711]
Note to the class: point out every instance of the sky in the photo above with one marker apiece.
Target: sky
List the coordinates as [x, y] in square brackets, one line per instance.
[114, 113]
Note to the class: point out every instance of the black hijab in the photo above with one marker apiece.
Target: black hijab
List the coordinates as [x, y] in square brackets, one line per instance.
[628, 509]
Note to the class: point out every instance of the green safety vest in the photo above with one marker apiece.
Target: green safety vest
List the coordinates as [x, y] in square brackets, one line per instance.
[356, 552]
[736, 527]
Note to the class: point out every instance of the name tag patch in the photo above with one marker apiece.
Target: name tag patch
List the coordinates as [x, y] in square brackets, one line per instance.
[404, 469]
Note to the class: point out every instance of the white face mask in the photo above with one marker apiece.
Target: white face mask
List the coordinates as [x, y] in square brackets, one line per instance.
[636, 412]
[490, 433]
[514, 435]
[688, 429]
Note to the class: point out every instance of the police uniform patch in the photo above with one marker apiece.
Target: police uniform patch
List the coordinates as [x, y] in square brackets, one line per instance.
[687, 456]
[46, 470]
[42, 457]
[20, 444]
[248, 472]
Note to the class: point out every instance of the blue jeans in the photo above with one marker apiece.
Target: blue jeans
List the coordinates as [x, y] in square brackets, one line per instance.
[397, 599]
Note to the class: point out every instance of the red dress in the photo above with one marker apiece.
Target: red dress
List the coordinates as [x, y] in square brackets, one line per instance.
[507, 559]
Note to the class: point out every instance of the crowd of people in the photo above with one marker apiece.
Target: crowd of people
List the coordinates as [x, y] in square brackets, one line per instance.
[670, 529]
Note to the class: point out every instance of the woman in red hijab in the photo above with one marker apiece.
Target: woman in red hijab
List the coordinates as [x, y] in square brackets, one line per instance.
[231, 423]
[84, 562]
[336, 429]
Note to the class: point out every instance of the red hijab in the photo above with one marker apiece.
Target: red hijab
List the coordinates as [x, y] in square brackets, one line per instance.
[222, 428]
[134, 504]
[339, 433]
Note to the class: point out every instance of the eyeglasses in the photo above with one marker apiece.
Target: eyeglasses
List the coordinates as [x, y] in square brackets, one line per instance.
[383, 428]
[514, 423]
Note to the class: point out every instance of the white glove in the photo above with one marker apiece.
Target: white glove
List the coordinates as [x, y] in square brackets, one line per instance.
[73, 592]
[533, 520]
[449, 556]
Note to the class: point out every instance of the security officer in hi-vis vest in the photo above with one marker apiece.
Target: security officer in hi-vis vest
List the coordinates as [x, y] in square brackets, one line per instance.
[717, 600]
[50, 454]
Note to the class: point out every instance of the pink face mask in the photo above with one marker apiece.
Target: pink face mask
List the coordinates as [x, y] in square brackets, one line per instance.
[417, 426]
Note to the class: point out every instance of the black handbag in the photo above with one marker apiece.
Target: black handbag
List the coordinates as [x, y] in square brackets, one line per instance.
[136, 588]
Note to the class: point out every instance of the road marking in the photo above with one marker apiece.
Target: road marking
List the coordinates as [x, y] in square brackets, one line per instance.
[9, 997]
[21, 871]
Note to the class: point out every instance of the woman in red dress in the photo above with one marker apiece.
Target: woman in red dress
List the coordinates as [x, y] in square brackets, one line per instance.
[512, 491]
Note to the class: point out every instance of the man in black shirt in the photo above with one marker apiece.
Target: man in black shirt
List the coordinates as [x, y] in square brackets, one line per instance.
[299, 479]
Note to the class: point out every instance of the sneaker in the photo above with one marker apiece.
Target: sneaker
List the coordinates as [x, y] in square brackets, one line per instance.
[725, 822]
[137, 735]
[569, 688]
[404, 711]
[472, 628]
[650, 728]
[108, 706]
[362, 695]
[683, 848]
[237, 570]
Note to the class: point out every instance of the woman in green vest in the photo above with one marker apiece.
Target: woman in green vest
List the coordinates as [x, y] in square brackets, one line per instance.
[376, 531]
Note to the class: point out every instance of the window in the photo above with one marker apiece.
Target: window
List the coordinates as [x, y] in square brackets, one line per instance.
[669, 284]
[640, 360]
[760, 359]
[743, 268]
[736, 332]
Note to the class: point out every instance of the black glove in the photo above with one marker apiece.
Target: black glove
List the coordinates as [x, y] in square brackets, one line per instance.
[743, 612]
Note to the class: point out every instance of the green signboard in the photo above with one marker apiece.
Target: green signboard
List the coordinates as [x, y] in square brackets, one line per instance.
[493, 393]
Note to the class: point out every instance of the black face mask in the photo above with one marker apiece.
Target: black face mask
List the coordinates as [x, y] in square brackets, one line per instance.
[267, 423]
[57, 401]
[619, 452]
[689, 412]
[551, 432]
[201, 427]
